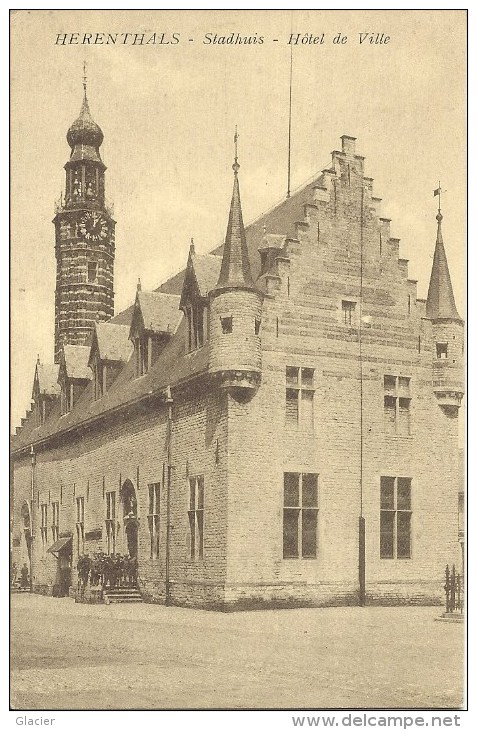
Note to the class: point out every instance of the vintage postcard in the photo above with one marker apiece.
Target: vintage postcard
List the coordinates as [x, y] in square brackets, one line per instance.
[238, 291]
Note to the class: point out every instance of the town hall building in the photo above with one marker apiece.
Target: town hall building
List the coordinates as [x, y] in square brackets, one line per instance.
[276, 425]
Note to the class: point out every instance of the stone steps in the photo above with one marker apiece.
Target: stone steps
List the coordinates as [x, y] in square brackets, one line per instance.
[122, 595]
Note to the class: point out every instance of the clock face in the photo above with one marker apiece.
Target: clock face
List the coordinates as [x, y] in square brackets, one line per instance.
[93, 226]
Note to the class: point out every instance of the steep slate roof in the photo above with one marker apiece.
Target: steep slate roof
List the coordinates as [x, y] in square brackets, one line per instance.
[113, 341]
[440, 297]
[235, 271]
[174, 364]
[47, 374]
[76, 361]
[160, 312]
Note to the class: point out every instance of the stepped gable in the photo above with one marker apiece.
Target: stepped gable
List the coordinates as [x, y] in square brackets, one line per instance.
[76, 359]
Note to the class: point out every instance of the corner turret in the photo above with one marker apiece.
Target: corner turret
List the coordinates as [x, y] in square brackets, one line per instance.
[447, 331]
[235, 355]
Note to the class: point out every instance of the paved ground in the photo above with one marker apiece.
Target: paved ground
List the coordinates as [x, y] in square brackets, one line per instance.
[71, 656]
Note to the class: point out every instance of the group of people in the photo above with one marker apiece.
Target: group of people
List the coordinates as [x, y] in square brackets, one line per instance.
[107, 570]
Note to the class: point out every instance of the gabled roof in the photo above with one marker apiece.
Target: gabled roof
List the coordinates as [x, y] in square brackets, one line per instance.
[111, 342]
[201, 275]
[160, 312]
[46, 379]
[440, 298]
[76, 358]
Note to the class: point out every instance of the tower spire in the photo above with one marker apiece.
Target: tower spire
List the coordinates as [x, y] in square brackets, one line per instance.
[440, 298]
[85, 78]
[235, 272]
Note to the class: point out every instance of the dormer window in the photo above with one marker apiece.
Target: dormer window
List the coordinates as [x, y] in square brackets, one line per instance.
[99, 372]
[67, 396]
[226, 323]
[196, 325]
[143, 350]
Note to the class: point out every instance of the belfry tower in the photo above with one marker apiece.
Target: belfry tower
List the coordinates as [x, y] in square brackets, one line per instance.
[84, 238]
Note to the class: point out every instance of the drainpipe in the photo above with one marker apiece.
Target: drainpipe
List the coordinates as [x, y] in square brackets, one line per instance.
[32, 512]
[169, 403]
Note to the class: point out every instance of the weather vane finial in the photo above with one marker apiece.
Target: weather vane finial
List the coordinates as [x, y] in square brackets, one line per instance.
[438, 191]
[236, 166]
[85, 78]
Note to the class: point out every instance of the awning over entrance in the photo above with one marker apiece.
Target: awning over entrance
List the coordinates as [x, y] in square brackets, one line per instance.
[59, 545]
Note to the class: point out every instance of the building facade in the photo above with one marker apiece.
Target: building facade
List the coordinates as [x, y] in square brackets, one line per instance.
[276, 425]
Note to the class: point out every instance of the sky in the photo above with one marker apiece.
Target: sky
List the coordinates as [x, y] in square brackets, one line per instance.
[168, 113]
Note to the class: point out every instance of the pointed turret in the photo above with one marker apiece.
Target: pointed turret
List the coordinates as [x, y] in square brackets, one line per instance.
[447, 331]
[235, 272]
[235, 353]
[440, 298]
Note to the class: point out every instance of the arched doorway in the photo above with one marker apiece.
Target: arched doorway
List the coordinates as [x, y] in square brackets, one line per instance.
[130, 519]
[26, 546]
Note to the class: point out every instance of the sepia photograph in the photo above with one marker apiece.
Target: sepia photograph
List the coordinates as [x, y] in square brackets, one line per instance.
[238, 362]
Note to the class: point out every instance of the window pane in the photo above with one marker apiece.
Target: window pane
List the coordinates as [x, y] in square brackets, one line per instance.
[157, 494]
[291, 490]
[387, 534]
[404, 416]
[192, 532]
[389, 383]
[307, 409]
[387, 492]
[200, 492]
[290, 533]
[200, 533]
[292, 376]
[404, 534]
[403, 493]
[310, 490]
[291, 409]
[307, 377]
[192, 494]
[309, 523]
[151, 499]
[404, 385]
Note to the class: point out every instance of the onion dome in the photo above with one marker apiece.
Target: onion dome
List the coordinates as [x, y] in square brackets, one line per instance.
[84, 131]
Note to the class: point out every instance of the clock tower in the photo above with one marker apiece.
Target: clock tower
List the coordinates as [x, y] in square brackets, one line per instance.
[84, 238]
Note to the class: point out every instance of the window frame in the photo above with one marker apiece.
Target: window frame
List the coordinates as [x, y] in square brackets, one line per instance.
[301, 391]
[44, 526]
[397, 401]
[80, 525]
[55, 520]
[348, 308]
[196, 517]
[394, 515]
[110, 522]
[301, 512]
[153, 518]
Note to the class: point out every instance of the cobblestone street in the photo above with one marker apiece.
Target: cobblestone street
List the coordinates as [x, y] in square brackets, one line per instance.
[140, 656]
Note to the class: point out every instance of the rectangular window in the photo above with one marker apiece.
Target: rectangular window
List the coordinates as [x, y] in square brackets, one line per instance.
[44, 526]
[80, 525]
[348, 312]
[300, 515]
[196, 517]
[226, 323]
[92, 271]
[153, 518]
[397, 405]
[98, 379]
[395, 517]
[55, 521]
[110, 522]
[441, 350]
[299, 398]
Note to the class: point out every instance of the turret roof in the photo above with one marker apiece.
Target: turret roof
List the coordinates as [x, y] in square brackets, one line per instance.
[440, 298]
